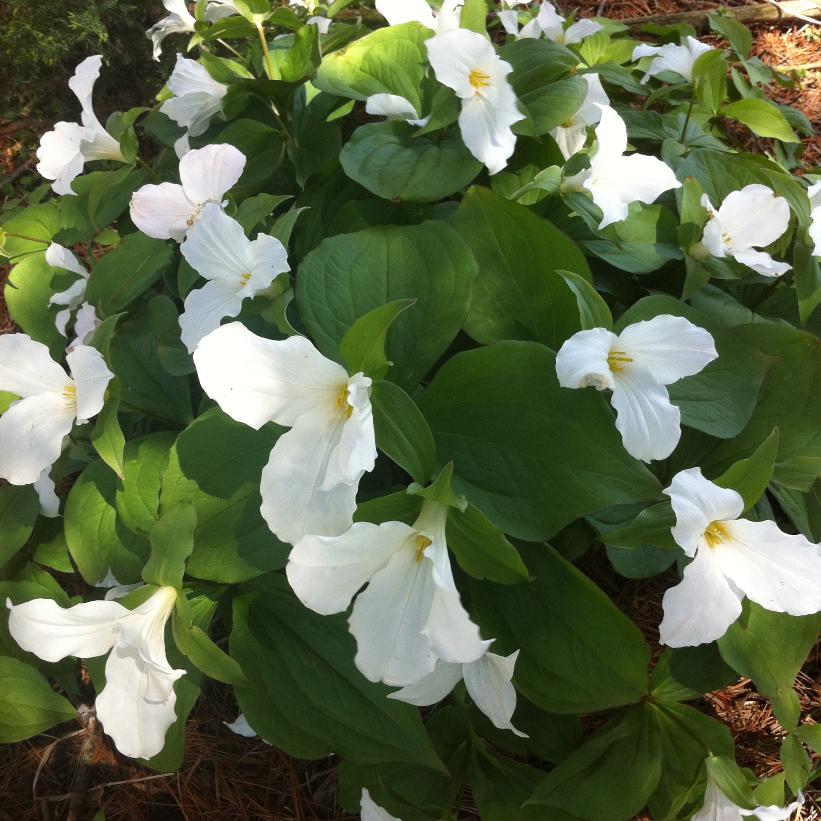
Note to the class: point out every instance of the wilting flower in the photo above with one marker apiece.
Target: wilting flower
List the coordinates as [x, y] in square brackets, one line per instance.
[551, 24]
[168, 210]
[733, 558]
[33, 428]
[615, 179]
[672, 57]
[310, 482]
[369, 810]
[394, 107]
[65, 150]
[236, 268]
[400, 564]
[59, 257]
[488, 681]
[814, 194]
[197, 98]
[572, 135]
[467, 62]
[636, 365]
[178, 21]
[136, 706]
[747, 219]
[717, 807]
[397, 12]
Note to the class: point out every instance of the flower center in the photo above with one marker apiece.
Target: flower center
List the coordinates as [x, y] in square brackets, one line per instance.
[616, 361]
[195, 216]
[342, 403]
[70, 394]
[716, 534]
[243, 280]
[478, 79]
[726, 239]
[422, 543]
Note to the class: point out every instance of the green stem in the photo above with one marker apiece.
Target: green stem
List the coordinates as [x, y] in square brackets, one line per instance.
[686, 123]
[266, 54]
[143, 164]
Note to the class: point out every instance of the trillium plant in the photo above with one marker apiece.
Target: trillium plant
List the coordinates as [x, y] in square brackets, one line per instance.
[388, 368]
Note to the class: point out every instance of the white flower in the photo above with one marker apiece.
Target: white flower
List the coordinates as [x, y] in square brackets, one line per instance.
[45, 489]
[136, 706]
[237, 268]
[410, 615]
[572, 135]
[197, 98]
[310, 482]
[168, 210]
[747, 219]
[65, 150]
[717, 807]
[369, 810]
[488, 681]
[733, 558]
[323, 24]
[550, 23]
[394, 107]
[397, 12]
[467, 62]
[814, 194]
[219, 10]
[85, 323]
[615, 179]
[33, 428]
[671, 57]
[178, 21]
[636, 365]
[509, 16]
[59, 257]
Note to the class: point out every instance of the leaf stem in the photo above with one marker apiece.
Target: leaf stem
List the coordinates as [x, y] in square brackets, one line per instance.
[266, 54]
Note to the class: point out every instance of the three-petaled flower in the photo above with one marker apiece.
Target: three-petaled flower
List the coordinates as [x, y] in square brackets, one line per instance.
[571, 135]
[551, 24]
[679, 59]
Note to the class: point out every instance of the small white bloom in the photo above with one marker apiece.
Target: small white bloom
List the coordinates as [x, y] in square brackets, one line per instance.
[488, 681]
[509, 16]
[59, 257]
[369, 810]
[65, 150]
[572, 135]
[167, 210]
[397, 12]
[310, 482]
[394, 107]
[410, 615]
[237, 268]
[467, 62]
[33, 428]
[636, 365]
[178, 21]
[717, 807]
[733, 558]
[85, 323]
[219, 10]
[747, 219]
[551, 24]
[323, 24]
[616, 179]
[197, 98]
[136, 706]
[814, 194]
[671, 57]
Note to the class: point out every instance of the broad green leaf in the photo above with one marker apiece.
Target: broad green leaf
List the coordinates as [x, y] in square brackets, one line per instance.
[593, 310]
[103, 195]
[19, 508]
[172, 540]
[710, 80]
[316, 142]
[548, 106]
[348, 275]
[518, 293]
[254, 209]
[500, 787]
[529, 454]
[750, 477]
[32, 229]
[762, 118]
[730, 780]
[796, 763]
[650, 527]
[395, 507]
[474, 16]
[363, 346]
[107, 436]
[736, 33]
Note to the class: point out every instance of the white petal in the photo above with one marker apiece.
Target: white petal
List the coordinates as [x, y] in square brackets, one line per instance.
[772, 813]
[716, 807]
[753, 217]
[72, 297]
[650, 425]
[82, 82]
[256, 380]
[326, 572]
[611, 135]
[570, 139]
[454, 54]
[91, 377]
[241, 727]
[59, 257]
[59, 155]
[701, 607]
[323, 24]
[488, 680]
[190, 77]
[391, 106]
[668, 347]
[369, 809]
[776, 570]
[45, 489]
[582, 360]
[268, 258]
[509, 20]
[205, 308]
[52, 632]
[163, 211]
[397, 12]
[27, 369]
[697, 502]
[432, 688]
[85, 323]
[485, 126]
[551, 22]
[576, 32]
[192, 111]
[452, 635]
[208, 173]
[761, 262]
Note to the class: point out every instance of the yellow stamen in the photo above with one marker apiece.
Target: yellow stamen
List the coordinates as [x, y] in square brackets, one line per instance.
[616, 361]
[243, 280]
[567, 123]
[70, 393]
[726, 238]
[343, 404]
[422, 543]
[478, 79]
[716, 533]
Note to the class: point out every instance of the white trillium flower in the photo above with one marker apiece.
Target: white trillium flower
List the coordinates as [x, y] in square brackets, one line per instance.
[65, 150]
[369, 810]
[136, 706]
[310, 482]
[814, 194]
[467, 63]
[86, 322]
[236, 268]
[394, 107]
[748, 219]
[571, 136]
[197, 98]
[33, 428]
[636, 366]
[732, 558]
[59, 257]
[168, 210]
[509, 16]
[551, 24]
[488, 682]
[717, 807]
[397, 12]
[671, 57]
[410, 615]
[178, 21]
[616, 179]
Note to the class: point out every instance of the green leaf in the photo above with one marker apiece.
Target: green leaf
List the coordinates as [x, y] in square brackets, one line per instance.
[348, 275]
[107, 436]
[19, 509]
[474, 16]
[762, 118]
[593, 310]
[363, 346]
[710, 80]
[579, 653]
[402, 433]
[254, 209]
[730, 780]
[395, 507]
[500, 787]
[103, 195]
[215, 465]
[750, 477]
[172, 540]
[736, 33]
[562, 458]
[796, 763]
[391, 161]
[28, 705]
[306, 696]
[27, 293]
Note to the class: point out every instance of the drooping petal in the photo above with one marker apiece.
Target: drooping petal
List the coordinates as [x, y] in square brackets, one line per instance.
[488, 681]
[326, 572]
[256, 380]
[701, 607]
[369, 809]
[649, 423]
[27, 369]
[59, 257]
[205, 308]
[452, 635]
[52, 632]
[163, 211]
[671, 57]
[697, 502]
[509, 18]
[716, 807]
[753, 217]
[49, 501]
[72, 296]
[397, 12]
[91, 377]
[486, 128]
[779, 571]
[582, 360]
[772, 813]
[432, 688]
[208, 173]
[761, 262]
[269, 258]
[60, 157]
[570, 138]
[391, 106]
[576, 32]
